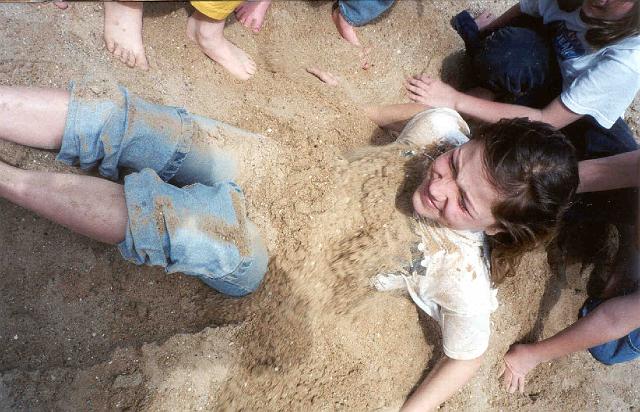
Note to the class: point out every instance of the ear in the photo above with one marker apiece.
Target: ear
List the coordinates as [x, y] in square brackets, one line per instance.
[493, 230]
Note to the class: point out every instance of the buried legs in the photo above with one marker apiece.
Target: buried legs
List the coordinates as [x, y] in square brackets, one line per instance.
[200, 229]
[87, 205]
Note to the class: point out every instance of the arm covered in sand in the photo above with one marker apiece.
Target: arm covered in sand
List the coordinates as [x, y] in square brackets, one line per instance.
[608, 173]
[444, 380]
[611, 320]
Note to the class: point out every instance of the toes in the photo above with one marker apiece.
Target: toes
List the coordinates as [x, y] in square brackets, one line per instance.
[131, 59]
[256, 25]
[117, 50]
[142, 62]
[110, 45]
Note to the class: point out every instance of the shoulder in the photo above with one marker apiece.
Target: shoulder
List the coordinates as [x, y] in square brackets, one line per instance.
[433, 126]
[625, 52]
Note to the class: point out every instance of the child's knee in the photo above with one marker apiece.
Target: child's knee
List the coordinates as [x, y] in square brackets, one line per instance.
[514, 60]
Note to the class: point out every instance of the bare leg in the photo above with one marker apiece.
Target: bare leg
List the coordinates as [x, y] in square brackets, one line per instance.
[344, 28]
[251, 14]
[87, 205]
[484, 20]
[123, 32]
[209, 34]
[32, 116]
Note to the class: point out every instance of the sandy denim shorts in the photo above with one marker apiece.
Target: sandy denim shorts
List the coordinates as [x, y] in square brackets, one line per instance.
[199, 229]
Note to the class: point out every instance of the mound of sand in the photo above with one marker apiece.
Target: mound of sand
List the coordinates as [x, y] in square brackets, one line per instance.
[81, 329]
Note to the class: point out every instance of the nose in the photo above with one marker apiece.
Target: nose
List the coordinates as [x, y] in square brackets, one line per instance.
[439, 189]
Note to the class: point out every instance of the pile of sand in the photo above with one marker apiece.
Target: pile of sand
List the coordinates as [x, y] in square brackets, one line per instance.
[81, 329]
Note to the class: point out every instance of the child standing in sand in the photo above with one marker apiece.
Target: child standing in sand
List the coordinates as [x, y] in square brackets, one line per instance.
[123, 35]
[511, 185]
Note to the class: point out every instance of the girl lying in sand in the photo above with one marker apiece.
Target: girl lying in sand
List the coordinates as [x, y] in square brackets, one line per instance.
[511, 183]
[508, 186]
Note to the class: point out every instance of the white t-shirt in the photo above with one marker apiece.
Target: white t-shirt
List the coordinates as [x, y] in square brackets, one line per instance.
[451, 282]
[601, 83]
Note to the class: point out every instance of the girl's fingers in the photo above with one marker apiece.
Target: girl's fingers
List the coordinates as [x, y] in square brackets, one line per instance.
[521, 384]
[503, 368]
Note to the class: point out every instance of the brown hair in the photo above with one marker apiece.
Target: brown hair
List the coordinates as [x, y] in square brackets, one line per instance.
[601, 33]
[535, 169]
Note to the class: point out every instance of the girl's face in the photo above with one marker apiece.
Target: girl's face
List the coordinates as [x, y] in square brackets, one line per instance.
[607, 9]
[456, 191]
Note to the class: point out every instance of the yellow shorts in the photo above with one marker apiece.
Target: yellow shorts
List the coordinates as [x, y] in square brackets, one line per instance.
[217, 10]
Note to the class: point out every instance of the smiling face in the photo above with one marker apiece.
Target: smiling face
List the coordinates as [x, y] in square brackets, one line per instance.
[610, 10]
[457, 192]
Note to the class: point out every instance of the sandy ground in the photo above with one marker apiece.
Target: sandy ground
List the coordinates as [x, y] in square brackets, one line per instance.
[83, 330]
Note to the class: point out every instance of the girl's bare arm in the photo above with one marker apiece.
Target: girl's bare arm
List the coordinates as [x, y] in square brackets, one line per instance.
[443, 381]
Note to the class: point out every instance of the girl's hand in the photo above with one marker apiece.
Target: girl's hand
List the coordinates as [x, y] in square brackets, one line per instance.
[431, 92]
[518, 361]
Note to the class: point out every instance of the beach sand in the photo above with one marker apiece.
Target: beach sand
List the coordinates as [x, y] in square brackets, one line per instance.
[81, 329]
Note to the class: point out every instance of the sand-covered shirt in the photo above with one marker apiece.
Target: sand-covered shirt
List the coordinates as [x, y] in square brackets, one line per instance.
[601, 82]
[451, 283]
[451, 279]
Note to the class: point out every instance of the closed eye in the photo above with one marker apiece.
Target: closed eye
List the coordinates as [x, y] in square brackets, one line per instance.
[454, 172]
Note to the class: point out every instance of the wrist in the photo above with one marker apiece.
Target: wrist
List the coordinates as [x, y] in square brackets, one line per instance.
[457, 101]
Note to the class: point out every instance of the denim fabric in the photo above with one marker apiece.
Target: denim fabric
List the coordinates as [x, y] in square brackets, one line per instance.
[616, 351]
[361, 12]
[201, 229]
[197, 230]
[118, 130]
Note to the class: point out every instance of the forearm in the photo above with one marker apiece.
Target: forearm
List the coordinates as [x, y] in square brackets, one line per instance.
[611, 320]
[491, 112]
[504, 19]
[393, 115]
[444, 380]
[608, 173]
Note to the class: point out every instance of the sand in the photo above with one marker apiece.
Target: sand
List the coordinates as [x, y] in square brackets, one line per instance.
[84, 330]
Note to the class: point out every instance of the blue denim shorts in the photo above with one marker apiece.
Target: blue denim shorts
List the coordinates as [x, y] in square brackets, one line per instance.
[361, 12]
[200, 229]
[616, 351]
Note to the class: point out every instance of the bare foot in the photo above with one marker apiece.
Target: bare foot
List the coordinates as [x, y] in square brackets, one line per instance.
[252, 13]
[62, 5]
[484, 20]
[344, 28]
[123, 32]
[209, 34]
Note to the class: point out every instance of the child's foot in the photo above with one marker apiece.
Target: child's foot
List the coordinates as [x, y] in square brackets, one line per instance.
[62, 5]
[123, 32]
[252, 13]
[484, 19]
[344, 28]
[209, 35]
